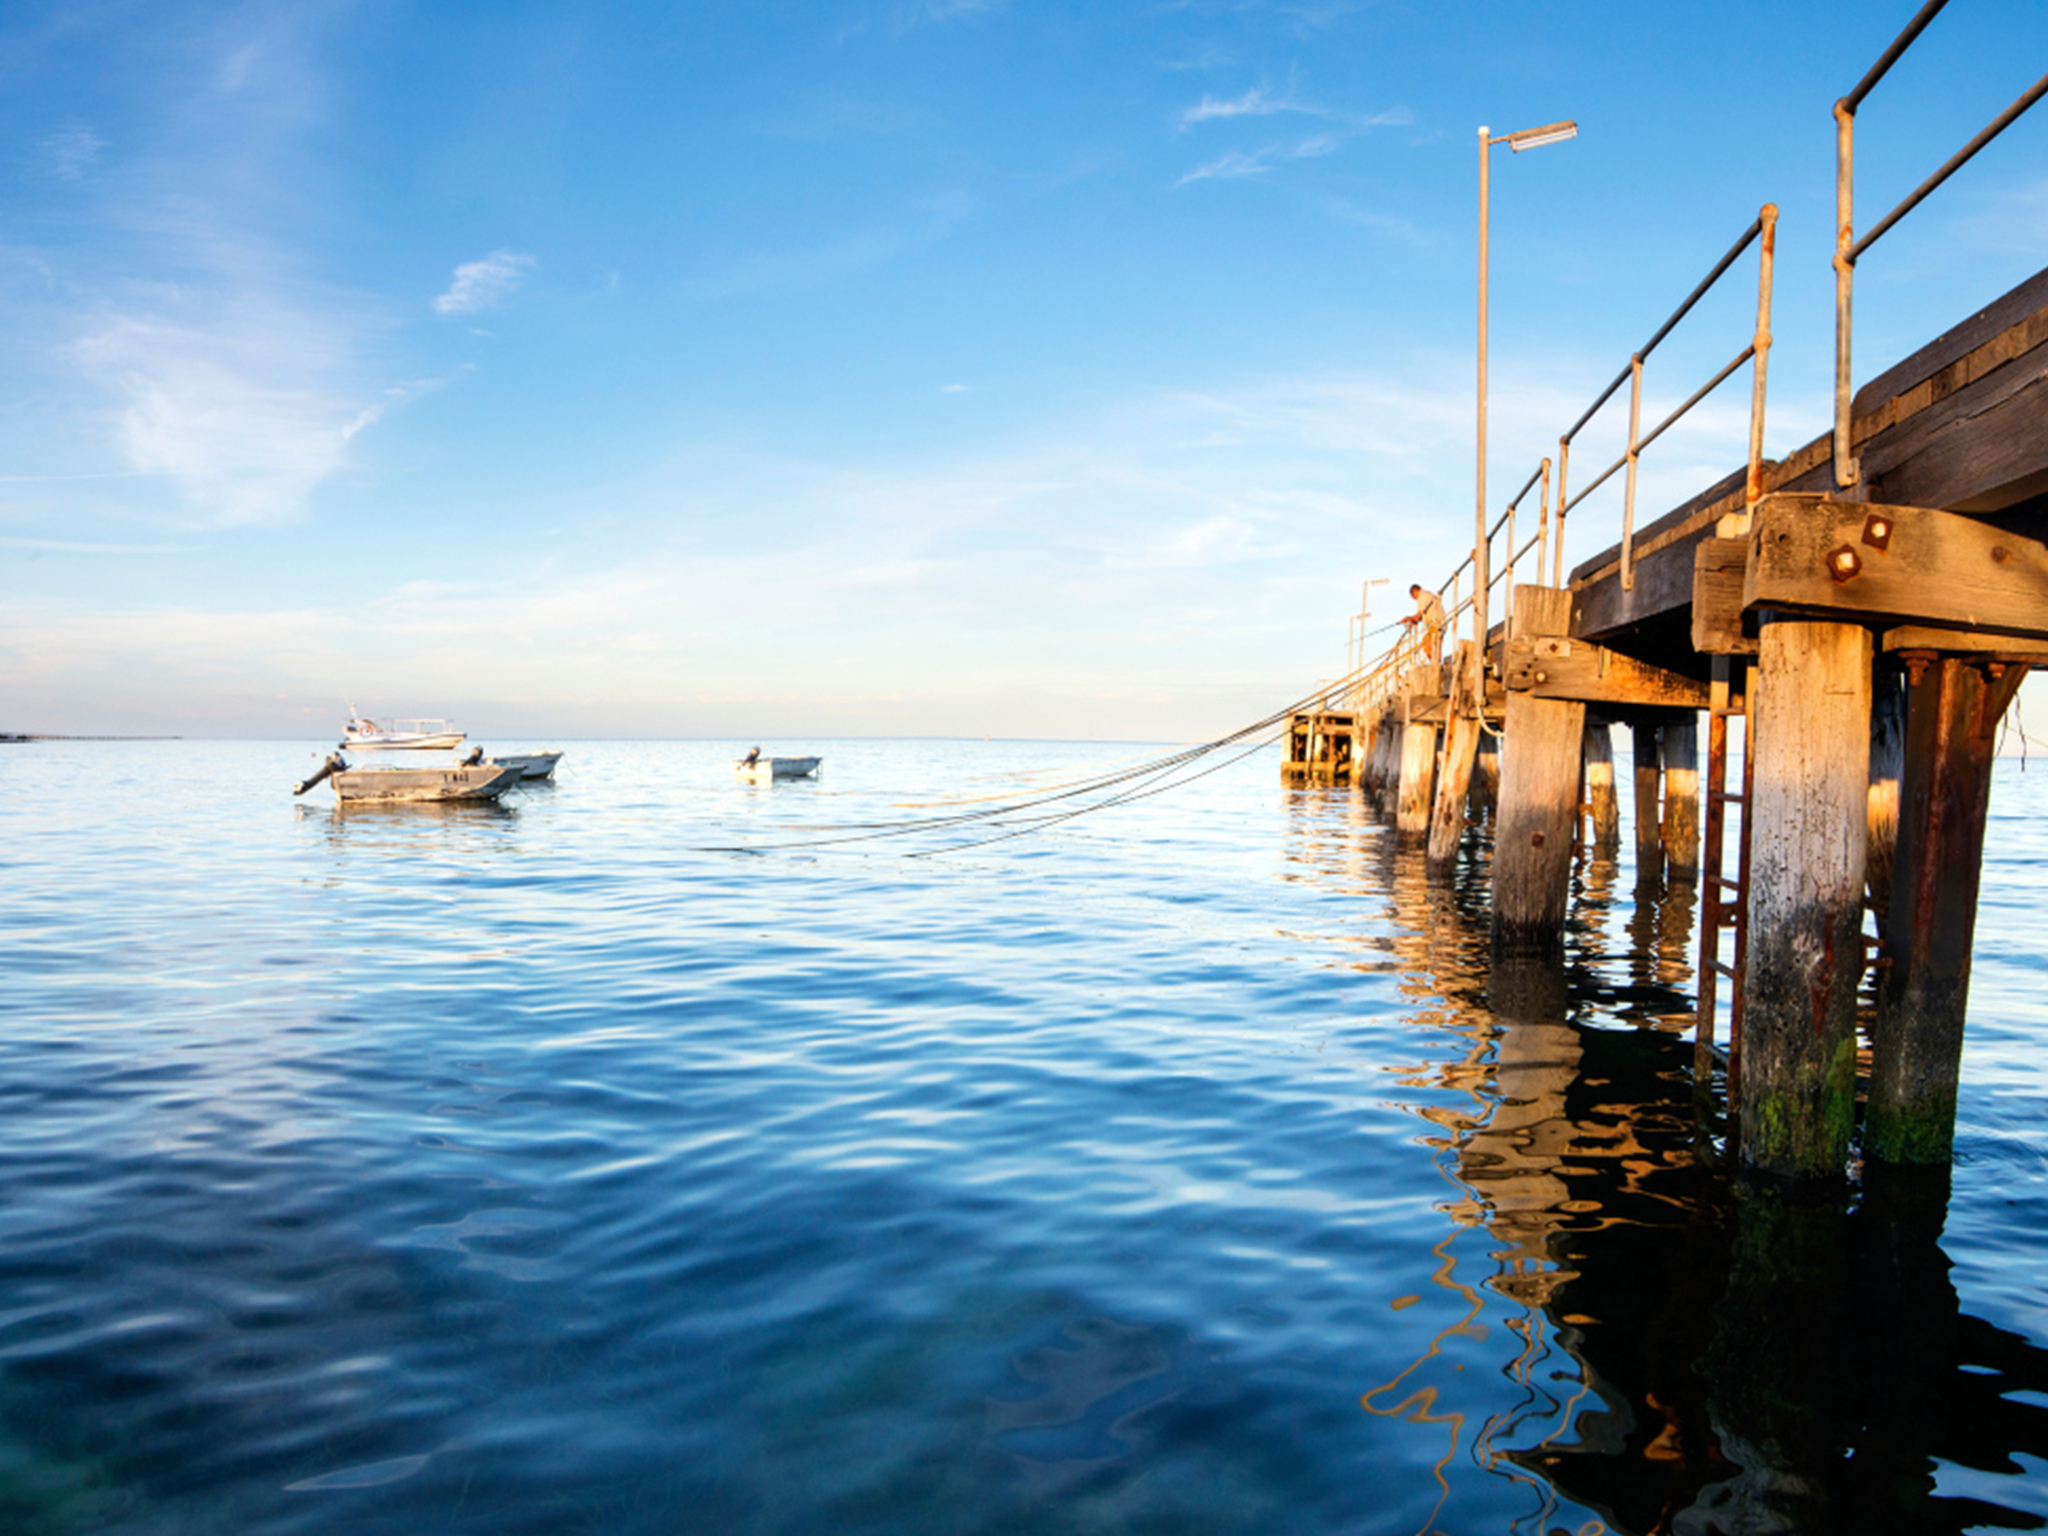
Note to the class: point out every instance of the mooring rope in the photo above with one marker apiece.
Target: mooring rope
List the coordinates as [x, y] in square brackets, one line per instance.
[1148, 778]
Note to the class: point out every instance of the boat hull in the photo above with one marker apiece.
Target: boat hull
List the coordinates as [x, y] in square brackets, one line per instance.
[397, 741]
[769, 769]
[533, 765]
[373, 786]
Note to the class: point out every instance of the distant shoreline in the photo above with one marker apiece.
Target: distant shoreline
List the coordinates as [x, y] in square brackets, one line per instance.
[6, 736]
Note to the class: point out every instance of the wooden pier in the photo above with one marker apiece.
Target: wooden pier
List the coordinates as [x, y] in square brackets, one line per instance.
[1865, 608]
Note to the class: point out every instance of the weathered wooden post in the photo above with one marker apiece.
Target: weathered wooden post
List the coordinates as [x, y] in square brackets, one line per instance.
[1649, 769]
[1418, 771]
[1600, 791]
[1682, 797]
[1454, 780]
[1487, 770]
[1540, 751]
[1804, 956]
[1952, 714]
[1392, 734]
[1887, 762]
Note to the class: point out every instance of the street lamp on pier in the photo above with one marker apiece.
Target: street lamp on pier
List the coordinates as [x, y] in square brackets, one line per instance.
[1482, 579]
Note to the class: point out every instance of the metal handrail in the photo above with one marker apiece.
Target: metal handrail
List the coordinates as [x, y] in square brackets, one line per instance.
[1378, 684]
[1848, 470]
[1549, 539]
[1762, 231]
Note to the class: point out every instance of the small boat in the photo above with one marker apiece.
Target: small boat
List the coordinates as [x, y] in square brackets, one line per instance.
[367, 735]
[364, 786]
[533, 765]
[766, 770]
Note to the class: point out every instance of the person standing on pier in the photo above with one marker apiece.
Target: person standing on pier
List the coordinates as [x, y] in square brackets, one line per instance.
[1429, 613]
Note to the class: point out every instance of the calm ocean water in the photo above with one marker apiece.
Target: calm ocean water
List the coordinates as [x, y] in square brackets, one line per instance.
[1180, 1170]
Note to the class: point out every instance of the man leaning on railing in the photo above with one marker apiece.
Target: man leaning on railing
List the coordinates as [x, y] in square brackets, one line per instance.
[1429, 613]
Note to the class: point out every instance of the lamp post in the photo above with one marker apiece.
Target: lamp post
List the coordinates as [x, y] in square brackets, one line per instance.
[1482, 583]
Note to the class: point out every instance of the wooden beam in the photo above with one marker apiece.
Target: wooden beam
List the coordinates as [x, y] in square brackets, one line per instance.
[1965, 642]
[1718, 566]
[1982, 448]
[1864, 563]
[1663, 582]
[2007, 327]
[1553, 667]
[1682, 524]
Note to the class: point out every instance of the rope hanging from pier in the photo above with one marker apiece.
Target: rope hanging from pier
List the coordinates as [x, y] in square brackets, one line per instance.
[1039, 812]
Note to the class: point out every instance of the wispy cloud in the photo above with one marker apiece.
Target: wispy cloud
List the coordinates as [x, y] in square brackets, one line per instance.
[69, 152]
[1253, 103]
[484, 284]
[1236, 163]
[72, 547]
[954, 389]
[242, 413]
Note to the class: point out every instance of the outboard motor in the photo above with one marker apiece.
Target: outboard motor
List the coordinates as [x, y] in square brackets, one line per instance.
[335, 764]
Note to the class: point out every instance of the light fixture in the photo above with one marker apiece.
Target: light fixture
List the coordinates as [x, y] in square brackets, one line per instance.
[1533, 138]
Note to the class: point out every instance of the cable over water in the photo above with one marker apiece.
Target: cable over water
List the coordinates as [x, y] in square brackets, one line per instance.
[1016, 815]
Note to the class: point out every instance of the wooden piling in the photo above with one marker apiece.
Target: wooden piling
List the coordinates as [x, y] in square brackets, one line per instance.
[1418, 770]
[1387, 781]
[1649, 770]
[1486, 772]
[1600, 790]
[1454, 777]
[1681, 742]
[1952, 714]
[1804, 955]
[1887, 761]
[1540, 750]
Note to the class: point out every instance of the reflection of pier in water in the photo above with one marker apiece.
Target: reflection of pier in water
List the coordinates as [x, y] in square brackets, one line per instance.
[1695, 1356]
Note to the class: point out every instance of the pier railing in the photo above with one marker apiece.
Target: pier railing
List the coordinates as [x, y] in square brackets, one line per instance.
[1848, 249]
[1762, 232]
[1373, 685]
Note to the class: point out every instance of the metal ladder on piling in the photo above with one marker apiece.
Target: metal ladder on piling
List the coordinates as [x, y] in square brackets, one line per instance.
[1717, 909]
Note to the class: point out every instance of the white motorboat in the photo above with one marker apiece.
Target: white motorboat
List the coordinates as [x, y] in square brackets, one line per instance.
[766, 770]
[367, 735]
[533, 765]
[462, 781]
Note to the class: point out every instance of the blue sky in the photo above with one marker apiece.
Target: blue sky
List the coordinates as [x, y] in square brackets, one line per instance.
[892, 368]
